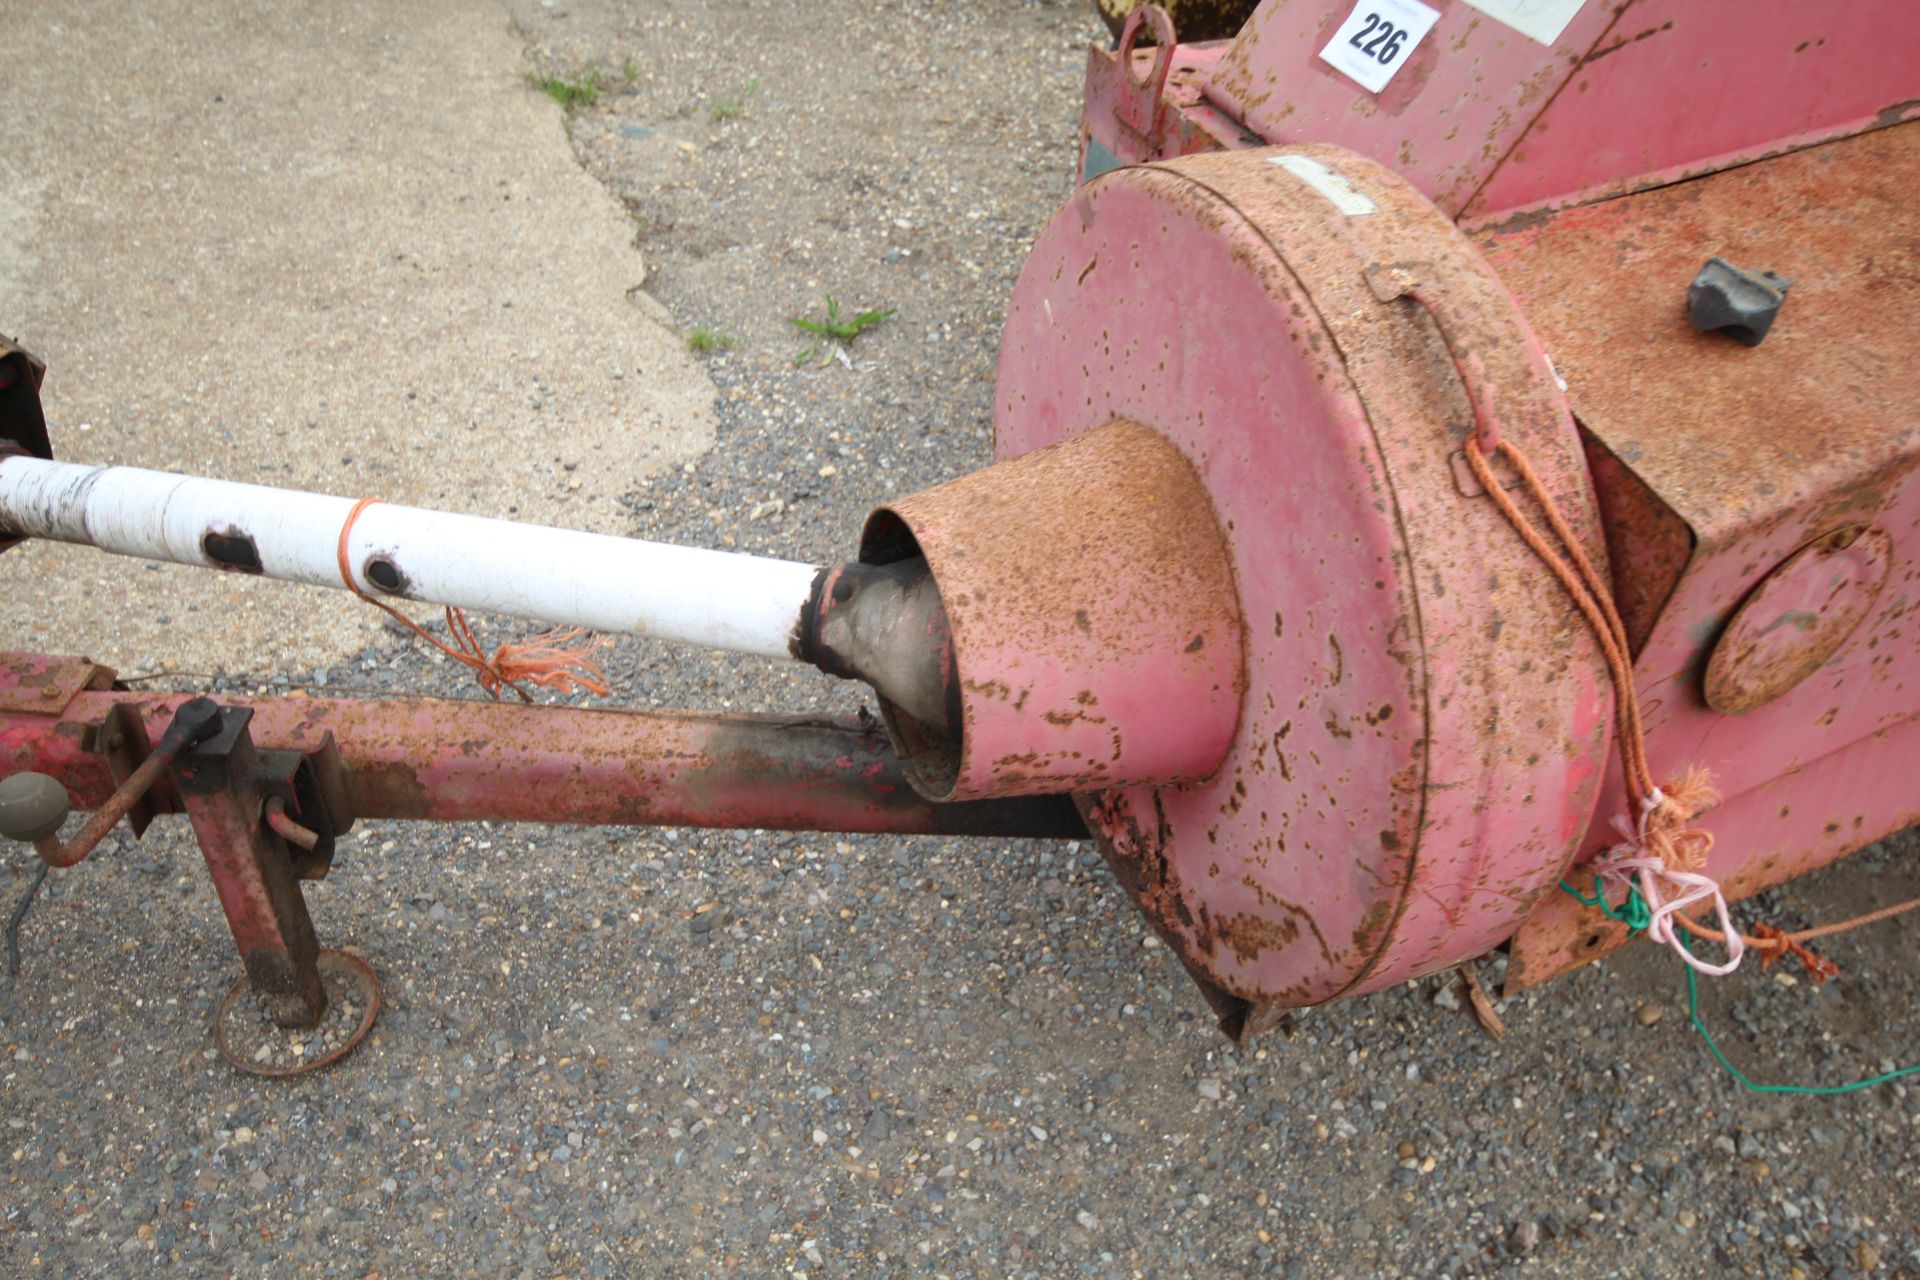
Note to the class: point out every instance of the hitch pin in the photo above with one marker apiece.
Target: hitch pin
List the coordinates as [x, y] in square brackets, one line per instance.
[286, 828]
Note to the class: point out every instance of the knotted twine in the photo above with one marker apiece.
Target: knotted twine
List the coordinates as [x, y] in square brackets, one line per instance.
[560, 659]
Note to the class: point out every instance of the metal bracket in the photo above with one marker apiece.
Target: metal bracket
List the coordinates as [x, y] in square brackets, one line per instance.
[23, 424]
[313, 786]
[122, 739]
[22, 421]
[1142, 106]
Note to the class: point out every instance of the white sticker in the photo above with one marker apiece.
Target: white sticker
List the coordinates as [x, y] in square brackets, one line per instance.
[1328, 182]
[1376, 38]
[1541, 20]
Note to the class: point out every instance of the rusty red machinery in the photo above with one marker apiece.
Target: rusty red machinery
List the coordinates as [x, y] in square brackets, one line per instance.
[1246, 593]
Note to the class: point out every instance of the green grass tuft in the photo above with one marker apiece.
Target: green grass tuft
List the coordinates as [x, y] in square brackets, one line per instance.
[835, 329]
[572, 95]
[706, 340]
[733, 108]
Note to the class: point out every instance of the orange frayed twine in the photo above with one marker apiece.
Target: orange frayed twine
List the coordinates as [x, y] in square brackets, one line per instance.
[560, 659]
[1660, 845]
[1819, 968]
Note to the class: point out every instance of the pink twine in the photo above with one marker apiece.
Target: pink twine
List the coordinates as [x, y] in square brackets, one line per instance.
[1628, 860]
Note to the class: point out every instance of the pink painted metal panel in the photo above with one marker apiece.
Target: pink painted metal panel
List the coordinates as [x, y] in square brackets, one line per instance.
[1419, 747]
[1681, 88]
[1463, 98]
[1785, 827]
[1869, 684]
[1733, 437]
[1485, 121]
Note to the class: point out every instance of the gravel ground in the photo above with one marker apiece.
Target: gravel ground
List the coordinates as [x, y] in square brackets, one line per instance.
[627, 1053]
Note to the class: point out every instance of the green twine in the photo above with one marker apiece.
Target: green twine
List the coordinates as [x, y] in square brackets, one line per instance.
[1635, 914]
[1811, 1090]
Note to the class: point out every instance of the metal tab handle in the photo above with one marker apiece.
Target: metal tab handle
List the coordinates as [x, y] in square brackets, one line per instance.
[1494, 356]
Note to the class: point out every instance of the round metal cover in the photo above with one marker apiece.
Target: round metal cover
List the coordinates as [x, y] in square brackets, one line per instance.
[1799, 616]
[1425, 719]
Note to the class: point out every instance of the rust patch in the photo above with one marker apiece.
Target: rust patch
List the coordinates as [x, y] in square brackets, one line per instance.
[1371, 932]
[1648, 545]
[1138, 856]
[997, 689]
[32, 683]
[1249, 935]
[1898, 112]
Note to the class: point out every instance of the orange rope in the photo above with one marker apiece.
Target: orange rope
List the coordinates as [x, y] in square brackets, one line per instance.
[1865, 918]
[553, 659]
[1669, 833]
[1772, 943]
[1593, 598]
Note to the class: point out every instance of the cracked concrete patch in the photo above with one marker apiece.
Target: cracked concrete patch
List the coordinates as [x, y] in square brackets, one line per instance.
[341, 247]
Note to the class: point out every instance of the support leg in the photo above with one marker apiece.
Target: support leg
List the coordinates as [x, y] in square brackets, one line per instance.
[221, 783]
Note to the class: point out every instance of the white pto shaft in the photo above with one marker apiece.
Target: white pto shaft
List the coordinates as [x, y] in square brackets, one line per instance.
[743, 603]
